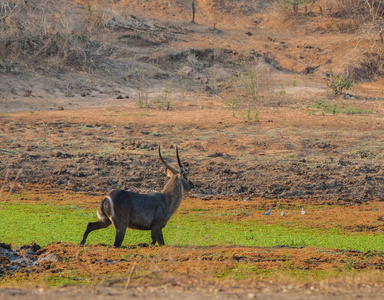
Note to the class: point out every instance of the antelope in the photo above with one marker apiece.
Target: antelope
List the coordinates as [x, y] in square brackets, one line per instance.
[151, 212]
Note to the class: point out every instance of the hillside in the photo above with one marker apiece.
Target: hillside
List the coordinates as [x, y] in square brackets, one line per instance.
[88, 54]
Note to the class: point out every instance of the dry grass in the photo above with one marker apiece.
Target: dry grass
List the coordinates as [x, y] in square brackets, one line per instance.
[41, 30]
[7, 185]
[361, 11]
[366, 11]
[51, 33]
[369, 10]
[362, 18]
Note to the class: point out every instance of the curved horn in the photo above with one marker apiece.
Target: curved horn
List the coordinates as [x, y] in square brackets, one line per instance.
[178, 158]
[166, 165]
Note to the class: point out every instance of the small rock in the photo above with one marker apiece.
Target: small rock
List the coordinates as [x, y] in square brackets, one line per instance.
[216, 154]
[28, 93]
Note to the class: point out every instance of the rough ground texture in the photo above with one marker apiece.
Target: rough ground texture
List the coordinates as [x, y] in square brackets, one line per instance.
[286, 155]
[81, 128]
[187, 272]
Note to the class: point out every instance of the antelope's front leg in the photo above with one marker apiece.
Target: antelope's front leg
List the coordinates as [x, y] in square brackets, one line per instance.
[120, 234]
[157, 235]
[160, 238]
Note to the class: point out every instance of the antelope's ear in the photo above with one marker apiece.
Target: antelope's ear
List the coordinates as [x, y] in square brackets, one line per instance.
[168, 172]
[182, 172]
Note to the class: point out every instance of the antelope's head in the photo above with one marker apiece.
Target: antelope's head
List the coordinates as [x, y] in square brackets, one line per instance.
[180, 175]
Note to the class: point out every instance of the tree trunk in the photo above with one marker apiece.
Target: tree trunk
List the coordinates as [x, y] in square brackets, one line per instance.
[193, 11]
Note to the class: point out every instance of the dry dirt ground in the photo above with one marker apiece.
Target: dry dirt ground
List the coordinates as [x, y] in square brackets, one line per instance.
[172, 272]
[298, 152]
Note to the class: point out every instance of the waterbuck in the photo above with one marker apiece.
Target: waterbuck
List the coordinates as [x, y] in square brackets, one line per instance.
[145, 212]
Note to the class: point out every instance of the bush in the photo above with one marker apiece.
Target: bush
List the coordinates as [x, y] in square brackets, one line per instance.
[338, 83]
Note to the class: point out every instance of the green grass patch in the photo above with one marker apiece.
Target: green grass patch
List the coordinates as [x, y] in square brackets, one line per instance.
[46, 223]
[66, 279]
[356, 111]
[137, 114]
[326, 108]
[4, 115]
[245, 271]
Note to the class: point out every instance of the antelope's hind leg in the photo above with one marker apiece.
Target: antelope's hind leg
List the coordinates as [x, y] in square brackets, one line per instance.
[121, 227]
[91, 226]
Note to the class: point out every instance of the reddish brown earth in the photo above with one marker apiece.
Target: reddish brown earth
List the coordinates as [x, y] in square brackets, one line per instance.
[297, 153]
[288, 154]
[190, 271]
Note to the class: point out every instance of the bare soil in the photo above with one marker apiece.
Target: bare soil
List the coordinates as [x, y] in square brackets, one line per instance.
[83, 132]
[287, 154]
[163, 271]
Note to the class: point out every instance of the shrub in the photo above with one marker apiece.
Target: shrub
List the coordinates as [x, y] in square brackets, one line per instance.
[249, 78]
[338, 83]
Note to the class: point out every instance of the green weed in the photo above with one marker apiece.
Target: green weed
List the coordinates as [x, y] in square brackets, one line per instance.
[249, 79]
[142, 91]
[232, 104]
[333, 109]
[256, 116]
[356, 111]
[248, 114]
[163, 102]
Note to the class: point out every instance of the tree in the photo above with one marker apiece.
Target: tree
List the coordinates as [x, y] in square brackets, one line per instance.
[193, 11]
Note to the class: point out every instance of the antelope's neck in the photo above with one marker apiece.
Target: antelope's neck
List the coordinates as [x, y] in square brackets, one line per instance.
[173, 191]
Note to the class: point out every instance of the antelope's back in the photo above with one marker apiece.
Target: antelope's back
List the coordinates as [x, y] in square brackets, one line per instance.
[142, 210]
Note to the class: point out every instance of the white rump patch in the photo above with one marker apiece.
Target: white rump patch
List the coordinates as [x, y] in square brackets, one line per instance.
[112, 207]
[100, 217]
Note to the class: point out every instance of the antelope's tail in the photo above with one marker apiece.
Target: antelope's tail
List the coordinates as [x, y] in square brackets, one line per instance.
[103, 208]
